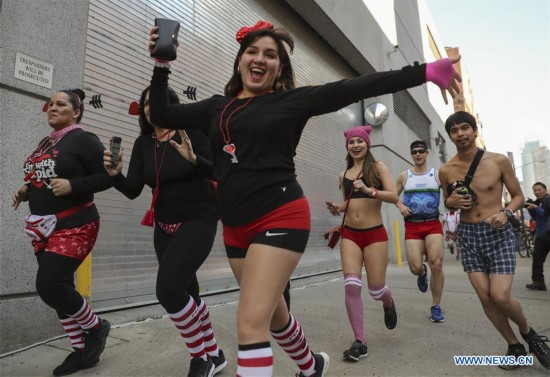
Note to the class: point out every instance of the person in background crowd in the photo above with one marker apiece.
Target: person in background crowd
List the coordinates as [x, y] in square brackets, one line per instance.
[485, 234]
[186, 220]
[62, 174]
[450, 222]
[423, 230]
[364, 237]
[254, 130]
[540, 211]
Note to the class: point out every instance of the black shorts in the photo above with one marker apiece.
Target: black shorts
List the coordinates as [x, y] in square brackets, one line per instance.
[286, 227]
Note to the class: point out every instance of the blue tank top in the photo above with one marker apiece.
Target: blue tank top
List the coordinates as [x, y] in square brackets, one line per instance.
[421, 195]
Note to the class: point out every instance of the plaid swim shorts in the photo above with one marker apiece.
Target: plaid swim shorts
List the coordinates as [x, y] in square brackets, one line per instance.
[487, 249]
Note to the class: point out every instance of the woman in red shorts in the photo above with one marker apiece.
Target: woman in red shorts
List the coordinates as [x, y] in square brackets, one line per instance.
[364, 238]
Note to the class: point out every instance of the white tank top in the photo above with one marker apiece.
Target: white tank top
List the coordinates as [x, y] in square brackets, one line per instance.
[421, 195]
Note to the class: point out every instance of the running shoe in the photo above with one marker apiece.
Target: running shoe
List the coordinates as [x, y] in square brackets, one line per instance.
[390, 317]
[538, 347]
[422, 280]
[437, 315]
[515, 350]
[356, 351]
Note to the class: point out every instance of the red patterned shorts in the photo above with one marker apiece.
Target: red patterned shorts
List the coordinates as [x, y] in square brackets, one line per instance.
[73, 242]
[451, 236]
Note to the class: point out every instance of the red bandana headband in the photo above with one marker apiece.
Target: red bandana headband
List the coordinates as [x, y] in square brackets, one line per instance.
[360, 131]
[245, 30]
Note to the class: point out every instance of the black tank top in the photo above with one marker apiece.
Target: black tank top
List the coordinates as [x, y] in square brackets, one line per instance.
[348, 185]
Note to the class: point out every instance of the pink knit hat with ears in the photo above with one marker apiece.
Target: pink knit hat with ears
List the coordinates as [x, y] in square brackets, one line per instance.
[360, 131]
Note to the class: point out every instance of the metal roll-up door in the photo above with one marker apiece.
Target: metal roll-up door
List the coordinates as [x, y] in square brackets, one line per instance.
[118, 68]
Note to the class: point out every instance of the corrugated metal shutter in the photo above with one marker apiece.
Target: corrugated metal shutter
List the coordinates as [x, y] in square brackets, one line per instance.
[406, 108]
[118, 68]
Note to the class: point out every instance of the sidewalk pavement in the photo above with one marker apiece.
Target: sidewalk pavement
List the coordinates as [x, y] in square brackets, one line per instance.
[143, 341]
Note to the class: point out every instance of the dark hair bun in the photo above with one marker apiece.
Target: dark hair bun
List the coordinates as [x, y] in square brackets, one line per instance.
[80, 93]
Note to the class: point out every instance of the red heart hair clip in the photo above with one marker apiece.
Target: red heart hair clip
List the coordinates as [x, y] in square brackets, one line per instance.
[133, 109]
[245, 30]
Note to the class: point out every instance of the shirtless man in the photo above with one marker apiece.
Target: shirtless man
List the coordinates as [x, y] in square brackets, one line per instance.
[485, 236]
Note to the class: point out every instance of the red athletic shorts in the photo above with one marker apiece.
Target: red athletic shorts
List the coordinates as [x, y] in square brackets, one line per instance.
[286, 227]
[73, 242]
[365, 237]
[419, 231]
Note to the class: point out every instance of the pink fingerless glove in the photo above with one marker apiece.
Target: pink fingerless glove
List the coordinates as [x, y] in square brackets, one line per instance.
[440, 72]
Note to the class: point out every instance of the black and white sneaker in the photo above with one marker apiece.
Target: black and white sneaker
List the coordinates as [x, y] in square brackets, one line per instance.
[219, 362]
[201, 368]
[321, 365]
[356, 351]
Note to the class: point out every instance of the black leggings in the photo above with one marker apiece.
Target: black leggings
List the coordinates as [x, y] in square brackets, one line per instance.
[55, 282]
[180, 256]
[540, 253]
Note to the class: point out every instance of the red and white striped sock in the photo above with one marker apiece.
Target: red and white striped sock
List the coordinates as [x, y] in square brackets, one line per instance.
[255, 360]
[210, 343]
[188, 322]
[75, 332]
[85, 317]
[293, 341]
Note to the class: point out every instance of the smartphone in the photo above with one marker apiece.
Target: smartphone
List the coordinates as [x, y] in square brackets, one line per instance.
[115, 148]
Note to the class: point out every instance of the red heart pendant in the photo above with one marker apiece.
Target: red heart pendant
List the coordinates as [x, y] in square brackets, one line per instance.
[229, 148]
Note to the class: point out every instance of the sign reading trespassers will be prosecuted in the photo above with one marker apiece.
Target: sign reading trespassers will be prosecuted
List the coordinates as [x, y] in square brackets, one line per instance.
[32, 70]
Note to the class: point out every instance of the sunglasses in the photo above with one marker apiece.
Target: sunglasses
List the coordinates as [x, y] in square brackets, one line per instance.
[418, 151]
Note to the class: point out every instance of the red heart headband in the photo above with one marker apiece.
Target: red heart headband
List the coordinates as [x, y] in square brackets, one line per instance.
[245, 30]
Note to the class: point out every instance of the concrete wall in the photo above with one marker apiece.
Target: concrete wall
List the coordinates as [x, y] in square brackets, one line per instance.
[53, 32]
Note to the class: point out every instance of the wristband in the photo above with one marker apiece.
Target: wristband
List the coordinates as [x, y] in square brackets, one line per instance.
[374, 192]
[162, 63]
[508, 212]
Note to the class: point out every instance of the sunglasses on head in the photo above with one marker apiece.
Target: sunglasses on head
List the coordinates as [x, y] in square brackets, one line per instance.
[418, 151]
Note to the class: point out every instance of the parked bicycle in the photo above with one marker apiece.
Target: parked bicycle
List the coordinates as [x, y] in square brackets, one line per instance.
[524, 241]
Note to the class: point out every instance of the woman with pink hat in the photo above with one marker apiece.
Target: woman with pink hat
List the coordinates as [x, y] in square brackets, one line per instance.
[365, 184]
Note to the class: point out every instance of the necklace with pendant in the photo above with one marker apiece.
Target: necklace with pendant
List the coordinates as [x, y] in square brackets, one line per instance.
[159, 138]
[229, 147]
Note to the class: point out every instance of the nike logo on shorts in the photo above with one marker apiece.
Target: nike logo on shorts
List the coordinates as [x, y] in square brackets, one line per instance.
[269, 234]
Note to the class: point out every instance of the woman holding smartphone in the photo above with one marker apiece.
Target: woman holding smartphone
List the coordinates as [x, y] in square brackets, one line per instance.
[254, 131]
[185, 220]
[365, 184]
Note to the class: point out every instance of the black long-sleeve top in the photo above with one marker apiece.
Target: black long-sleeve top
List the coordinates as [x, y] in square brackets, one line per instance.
[266, 133]
[184, 190]
[78, 157]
